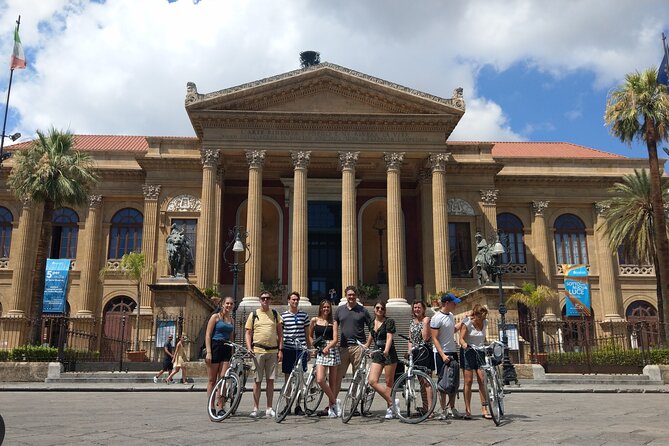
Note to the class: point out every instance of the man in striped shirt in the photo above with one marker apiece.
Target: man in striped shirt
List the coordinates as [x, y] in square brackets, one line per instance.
[295, 325]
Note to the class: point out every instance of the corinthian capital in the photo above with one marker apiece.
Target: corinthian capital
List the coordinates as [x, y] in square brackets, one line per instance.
[348, 160]
[255, 158]
[538, 207]
[300, 158]
[424, 175]
[393, 160]
[151, 191]
[489, 196]
[94, 201]
[209, 157]
[437, 161]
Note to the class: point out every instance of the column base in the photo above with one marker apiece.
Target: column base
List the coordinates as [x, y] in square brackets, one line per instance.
[613, 318]
[249, 301]
[398, 302]
[84, 313]
[16, 313]
[549, 317]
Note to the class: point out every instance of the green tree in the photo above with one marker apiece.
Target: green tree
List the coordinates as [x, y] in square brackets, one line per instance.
[53, 173]
[533, 297]
[639, 110]
[630, 223]
[132, 267]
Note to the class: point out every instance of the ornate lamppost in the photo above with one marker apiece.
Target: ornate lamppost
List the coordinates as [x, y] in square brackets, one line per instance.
[380, 226]
[498, 251]
[236, 255]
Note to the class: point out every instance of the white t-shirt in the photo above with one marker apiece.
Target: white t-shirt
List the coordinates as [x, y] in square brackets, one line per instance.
[446, 325]
[473, 336]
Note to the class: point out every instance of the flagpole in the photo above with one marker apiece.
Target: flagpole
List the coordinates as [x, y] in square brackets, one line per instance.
[9, 89]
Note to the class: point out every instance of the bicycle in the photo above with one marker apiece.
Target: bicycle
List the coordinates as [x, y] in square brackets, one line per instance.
[227, 393]
[360, 393]
[296, 387]
[407, 389]
[492, 379]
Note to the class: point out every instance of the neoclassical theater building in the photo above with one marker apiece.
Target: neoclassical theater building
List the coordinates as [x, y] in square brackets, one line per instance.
[339, 178]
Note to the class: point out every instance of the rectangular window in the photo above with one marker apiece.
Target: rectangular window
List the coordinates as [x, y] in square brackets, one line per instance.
[460, 245]
[189, 226]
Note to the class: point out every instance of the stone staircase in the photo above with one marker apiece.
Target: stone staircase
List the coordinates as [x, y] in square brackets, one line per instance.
[599, 379]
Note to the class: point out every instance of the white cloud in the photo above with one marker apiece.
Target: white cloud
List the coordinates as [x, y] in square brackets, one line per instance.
[484, 121]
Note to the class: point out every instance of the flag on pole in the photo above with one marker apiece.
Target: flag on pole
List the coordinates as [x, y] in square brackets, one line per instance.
[663, 72]
[18, 57]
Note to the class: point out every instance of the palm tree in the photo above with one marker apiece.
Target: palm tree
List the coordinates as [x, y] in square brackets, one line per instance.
[51, 172]
[630, 224]
[533, 297]
[132, 267]
[639, 109]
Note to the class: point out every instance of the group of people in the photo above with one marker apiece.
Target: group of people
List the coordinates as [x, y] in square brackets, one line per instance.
[340, 335]
[173, 361]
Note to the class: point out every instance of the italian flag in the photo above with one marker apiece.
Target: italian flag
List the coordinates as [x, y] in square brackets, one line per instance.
[18, 58]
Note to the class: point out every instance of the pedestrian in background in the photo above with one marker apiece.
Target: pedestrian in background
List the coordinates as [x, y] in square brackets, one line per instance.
[179, 362]
[168, 350]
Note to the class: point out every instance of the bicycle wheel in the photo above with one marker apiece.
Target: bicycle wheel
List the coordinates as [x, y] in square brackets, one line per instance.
[242, 383]
[219, 403]
[285, 400]
[313, 394]
[352, 399]
[407, 390]
[491, 396]
[367, 398]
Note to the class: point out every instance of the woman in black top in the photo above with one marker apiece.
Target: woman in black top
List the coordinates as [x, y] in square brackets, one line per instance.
[381, 331]
[321, 327]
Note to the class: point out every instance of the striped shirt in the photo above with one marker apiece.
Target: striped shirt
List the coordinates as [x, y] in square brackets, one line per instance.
[294, 328]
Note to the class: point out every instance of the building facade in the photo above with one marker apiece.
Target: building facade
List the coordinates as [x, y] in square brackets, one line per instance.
[339, 178]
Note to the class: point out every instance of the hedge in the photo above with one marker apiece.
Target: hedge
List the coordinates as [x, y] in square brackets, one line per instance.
[611, 356]
[33, 353]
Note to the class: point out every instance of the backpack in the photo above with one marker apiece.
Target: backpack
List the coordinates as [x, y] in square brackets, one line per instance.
[449, 377]
[255, 316]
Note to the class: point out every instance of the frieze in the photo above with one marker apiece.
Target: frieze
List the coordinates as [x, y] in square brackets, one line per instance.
[458, 206]
[348, 160]
[300, 158]
[489, 196]
[151, 191]
[393, 160]
[538, 207]
[437, 161]
[327, 136]
[184, 203]
[94, 201]
[209, 157]
[255, 158]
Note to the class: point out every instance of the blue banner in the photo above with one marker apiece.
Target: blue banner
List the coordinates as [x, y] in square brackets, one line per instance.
[55, 285]
[577, 290]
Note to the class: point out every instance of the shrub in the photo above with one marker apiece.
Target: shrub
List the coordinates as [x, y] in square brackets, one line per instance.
[34, 353]
[610, 355]
[4, 355]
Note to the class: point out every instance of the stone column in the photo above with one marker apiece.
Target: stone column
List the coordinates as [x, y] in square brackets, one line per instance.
[218, 200]
[300, 225]
[396, 255]
[489, 206]
[608, 289]
[204, 262]
[542, 264]
[89, 266]
[425, 185]
[442, 267]
[349, 226]
[22, 259]
[256, 160]
[149, 242]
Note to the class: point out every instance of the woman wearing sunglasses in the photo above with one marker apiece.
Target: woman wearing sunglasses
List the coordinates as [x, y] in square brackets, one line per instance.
[381, 331]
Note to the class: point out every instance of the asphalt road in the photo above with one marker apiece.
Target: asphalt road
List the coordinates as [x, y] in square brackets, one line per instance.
[179, 418]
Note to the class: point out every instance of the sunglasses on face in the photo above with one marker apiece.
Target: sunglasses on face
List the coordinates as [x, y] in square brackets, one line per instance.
[380, 308]
[264, 298]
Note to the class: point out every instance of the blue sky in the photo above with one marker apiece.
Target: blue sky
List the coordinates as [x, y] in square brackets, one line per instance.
[531, 70]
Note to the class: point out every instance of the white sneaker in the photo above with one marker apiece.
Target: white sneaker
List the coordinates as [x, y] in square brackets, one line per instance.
[337, 408]
[254, 413]
[332, 412]
[454, 413]
[443, 415]
[269, 413]
[389, 413]
[155, 380]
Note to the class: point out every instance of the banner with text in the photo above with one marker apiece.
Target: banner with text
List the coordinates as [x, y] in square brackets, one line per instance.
[577, 290]
[55, 285]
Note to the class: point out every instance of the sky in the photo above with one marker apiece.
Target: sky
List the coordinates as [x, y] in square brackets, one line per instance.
[532, 70]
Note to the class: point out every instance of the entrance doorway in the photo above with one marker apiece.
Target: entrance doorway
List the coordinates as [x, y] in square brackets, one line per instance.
[324, 241]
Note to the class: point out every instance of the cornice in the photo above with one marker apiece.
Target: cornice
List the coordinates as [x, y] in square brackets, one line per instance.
[171, 163]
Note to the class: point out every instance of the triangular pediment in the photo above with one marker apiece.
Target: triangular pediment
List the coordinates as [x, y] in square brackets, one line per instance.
[324, 88]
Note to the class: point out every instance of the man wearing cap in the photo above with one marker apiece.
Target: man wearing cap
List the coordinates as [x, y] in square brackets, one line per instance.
[445, 349]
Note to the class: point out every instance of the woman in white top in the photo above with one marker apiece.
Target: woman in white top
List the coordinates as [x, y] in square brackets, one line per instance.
[473, 332]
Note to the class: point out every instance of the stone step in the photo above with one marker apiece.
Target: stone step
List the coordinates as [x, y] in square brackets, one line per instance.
[575, 378]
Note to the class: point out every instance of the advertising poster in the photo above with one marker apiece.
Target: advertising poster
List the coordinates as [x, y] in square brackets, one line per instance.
[577, 290]
[165, 328]
[55, 285]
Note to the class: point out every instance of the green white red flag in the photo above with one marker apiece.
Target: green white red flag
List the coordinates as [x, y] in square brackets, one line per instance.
[18, 57]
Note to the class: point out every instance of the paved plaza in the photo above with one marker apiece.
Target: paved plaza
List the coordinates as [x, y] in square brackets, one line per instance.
[179, 418]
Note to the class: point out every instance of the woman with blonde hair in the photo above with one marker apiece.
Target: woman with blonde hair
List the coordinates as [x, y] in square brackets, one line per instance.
[420, 336]
[473, 333]
[220, 328]
[322, 333]
[179, 361]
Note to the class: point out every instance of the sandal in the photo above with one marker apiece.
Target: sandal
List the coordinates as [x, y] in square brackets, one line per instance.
[484, 411]
[467, 416]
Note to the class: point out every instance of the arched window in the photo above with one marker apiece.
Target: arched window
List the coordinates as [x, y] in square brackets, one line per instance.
[64, 234]
[512, 227]
[640, 310]
[570, 240]
[6, 219]
[126, 233]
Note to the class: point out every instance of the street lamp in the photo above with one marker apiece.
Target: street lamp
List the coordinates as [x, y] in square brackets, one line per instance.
[498, 251]
[4, 155]
[380, 226]
[236, 254]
